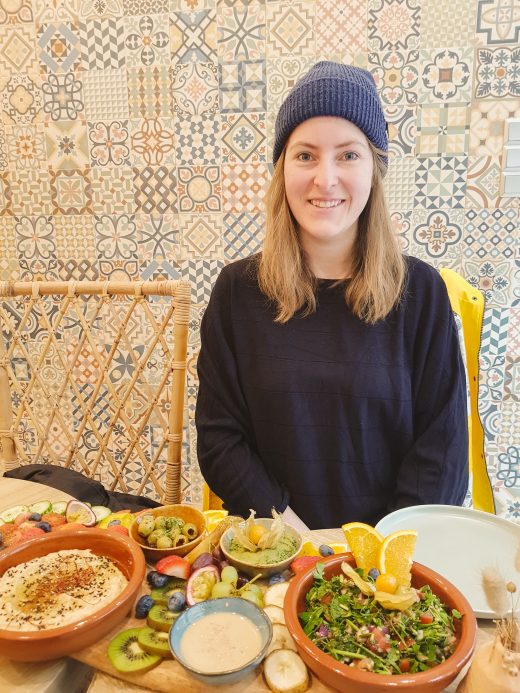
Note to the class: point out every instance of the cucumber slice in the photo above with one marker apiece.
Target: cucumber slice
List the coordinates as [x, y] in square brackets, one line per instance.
[9, 514]
[41, 507]
[101, 511]
[59, 507]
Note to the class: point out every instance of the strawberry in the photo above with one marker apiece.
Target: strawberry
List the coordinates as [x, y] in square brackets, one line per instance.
[54, 519]
[31, 533]
[174, 566]
[21, 517]
[118, 529]
[301, 563]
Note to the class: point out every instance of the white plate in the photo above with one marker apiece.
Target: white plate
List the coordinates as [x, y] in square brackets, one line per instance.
[458, 543]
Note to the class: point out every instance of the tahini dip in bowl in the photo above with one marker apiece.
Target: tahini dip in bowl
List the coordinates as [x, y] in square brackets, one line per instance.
[220, 641]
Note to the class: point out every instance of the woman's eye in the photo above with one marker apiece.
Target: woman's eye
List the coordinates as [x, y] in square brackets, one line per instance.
[350, 156]
[304, 156]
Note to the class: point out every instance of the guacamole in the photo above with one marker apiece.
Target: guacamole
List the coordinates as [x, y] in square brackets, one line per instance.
[284, 549]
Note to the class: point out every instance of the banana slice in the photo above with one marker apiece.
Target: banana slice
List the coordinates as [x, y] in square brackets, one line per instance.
[275, 594]
[275, 614]
[282, 639]
[285, 672]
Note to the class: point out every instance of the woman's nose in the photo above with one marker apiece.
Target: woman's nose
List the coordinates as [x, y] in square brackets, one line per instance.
[325, 175]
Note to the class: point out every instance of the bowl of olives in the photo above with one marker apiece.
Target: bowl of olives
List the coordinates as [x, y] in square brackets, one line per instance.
[168, 530]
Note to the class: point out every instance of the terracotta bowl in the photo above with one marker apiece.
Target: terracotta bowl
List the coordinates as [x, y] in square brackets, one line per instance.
[342, 677]
[265, 569]
[185, 512]
[57, 642]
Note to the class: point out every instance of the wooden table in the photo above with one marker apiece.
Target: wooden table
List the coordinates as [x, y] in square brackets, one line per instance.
[38, 677]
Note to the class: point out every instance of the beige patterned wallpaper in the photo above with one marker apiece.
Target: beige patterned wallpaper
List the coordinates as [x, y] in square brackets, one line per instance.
[135, 141]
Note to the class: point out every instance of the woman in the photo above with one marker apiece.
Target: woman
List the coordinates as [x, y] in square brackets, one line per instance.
[331, 381]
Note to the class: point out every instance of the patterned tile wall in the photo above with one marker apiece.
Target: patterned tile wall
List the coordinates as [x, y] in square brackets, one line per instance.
[136, 135]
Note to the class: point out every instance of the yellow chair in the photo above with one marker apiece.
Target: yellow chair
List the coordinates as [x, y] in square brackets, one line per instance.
[92, 377]
[468, 304]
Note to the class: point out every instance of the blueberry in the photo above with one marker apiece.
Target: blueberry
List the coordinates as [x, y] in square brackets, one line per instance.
[325, 550]
[156, 579]
[35, 517]
[177, 602]
[276, 577]
[114, 522]
[374, 573]
[44, 525]
[143, 606]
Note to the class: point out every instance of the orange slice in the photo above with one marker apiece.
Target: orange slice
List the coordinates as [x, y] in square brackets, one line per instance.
[396, 555]
[339, 548]
[365, 543]
[213, 517]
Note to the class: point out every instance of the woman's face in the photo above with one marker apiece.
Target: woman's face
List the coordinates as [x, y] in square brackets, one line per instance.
[328, 177]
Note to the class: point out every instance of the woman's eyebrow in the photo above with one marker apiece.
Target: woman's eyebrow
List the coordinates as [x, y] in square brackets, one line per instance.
[309, 145]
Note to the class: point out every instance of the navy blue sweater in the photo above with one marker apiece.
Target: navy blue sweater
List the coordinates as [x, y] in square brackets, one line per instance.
[341, 420]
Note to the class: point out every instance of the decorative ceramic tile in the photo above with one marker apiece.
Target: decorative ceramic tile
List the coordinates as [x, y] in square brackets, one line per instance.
[35, 244]
[491, 371]
[195, 89]
[402, 225]
[437, 234]
[197, 140]
[495, 325]
[243, 234]
[402, 130]
[74, 236]
[149, 91]
[160, 269]
[491, 278]
[512, 377]
[498, 22]
[199, 189]
[7, 242]
[155, 189]
[290, 29]
[243, 138]
[241, 33]
[105, 93]
[446, 75]
[109, 143]
[58, 48]
[201, 235]
[62, 97]
[243, 86]
[399, 183]
[441, 181]
[510, 413]
[496, 72]
[21, 99]
[396, 76]
[112, 190]
[340, 29]
[491, 233]
[96, 9]
[193, 36]
[46, 11]
[71, 191]
[26, 145]
[153, 141]
[132, 7]
[6, 195]
[3, 149]
[118, 270]
[102, 44]
[15, 11]
[447, 23]
[201, 273]
[116, 237]
[158, 236]
[31, 193]
[483, 182]
[243, 187]
[18, 49]
[486, 135]
[442, 129]
[66, 143]
[281, 75]
[147, 43]
[393, 24]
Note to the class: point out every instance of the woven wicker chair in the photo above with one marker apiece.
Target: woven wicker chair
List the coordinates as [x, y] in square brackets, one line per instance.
[92, 377]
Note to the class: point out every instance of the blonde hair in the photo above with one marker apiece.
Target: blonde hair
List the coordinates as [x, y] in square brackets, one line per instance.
[378, 267]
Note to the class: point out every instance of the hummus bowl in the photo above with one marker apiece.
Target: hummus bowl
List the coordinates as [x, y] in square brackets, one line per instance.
[253, 564]
[50, 643]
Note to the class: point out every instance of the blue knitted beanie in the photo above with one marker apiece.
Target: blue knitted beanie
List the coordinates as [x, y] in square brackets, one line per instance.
[333, 89]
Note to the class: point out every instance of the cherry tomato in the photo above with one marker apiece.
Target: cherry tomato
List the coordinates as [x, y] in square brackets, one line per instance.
[426, 618]
[404, 665]
[326, 599]
[386, 582]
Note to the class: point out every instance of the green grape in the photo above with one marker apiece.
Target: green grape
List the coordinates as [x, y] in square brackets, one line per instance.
[229, 574]
[222, 589]
[253, 597]
[254, 588]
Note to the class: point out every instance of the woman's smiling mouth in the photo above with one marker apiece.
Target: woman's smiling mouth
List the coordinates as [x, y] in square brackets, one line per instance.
[325, 204]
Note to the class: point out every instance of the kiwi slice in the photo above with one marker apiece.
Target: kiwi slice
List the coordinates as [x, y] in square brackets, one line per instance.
[127, 655]
[160, 618]
[155, 642]
[160, 595]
